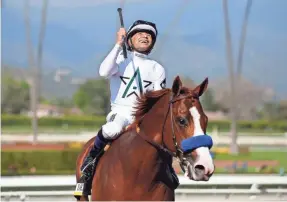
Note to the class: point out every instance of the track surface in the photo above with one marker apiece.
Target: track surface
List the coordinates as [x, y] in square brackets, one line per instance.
[62, 146]
[30, 146]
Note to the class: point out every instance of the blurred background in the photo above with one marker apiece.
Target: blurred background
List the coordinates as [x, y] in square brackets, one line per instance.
[53, 100]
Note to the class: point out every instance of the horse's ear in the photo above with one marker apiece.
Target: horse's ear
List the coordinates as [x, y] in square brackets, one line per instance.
[201, 88]
[176, 86]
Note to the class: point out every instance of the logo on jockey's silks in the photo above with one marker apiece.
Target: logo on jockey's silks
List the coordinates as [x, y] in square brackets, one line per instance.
[163, 84]
[136, 77]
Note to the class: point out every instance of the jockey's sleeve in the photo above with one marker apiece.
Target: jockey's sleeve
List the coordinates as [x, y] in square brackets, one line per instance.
[160, 80]
[109, 66]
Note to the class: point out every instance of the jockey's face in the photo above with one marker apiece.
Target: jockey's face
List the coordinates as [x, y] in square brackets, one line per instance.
[141, 41]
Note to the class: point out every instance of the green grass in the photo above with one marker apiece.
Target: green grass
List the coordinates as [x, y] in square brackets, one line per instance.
[270, 155]
[40, 172]
[281, 157]
[28, 130]
[254, 132]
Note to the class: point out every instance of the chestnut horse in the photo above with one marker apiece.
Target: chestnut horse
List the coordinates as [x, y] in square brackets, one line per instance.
[137, 166]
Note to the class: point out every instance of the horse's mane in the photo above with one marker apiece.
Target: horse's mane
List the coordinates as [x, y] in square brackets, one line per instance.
[145, 102]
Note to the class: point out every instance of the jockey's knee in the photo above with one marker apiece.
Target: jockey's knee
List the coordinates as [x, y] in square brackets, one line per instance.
[111, 130]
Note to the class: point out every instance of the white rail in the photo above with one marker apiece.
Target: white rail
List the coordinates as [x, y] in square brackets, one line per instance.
[83, 137]
[216, 180]
[219, 185]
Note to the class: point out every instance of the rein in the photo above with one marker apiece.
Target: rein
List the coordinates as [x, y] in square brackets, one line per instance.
[179, 153]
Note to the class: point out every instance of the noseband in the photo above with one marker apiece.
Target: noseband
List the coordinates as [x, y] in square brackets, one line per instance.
[188, 144]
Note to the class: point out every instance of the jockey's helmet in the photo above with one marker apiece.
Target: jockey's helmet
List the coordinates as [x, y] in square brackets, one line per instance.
[142, 26]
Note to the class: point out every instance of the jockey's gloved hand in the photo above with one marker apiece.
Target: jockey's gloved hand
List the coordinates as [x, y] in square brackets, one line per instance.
[121, 35]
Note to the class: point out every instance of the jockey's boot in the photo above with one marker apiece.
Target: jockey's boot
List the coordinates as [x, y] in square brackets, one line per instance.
[88, 166]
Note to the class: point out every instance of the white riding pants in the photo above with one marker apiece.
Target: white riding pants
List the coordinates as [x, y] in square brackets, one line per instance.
[116, 123]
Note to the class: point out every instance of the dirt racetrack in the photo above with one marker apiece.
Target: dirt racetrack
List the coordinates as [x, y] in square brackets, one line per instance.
[30, 146]
[61, 146]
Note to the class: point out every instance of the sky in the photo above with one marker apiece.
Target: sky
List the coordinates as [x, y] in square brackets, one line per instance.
[79, 34]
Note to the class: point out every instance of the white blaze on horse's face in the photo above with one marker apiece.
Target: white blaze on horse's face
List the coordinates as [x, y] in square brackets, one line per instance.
[204, 159]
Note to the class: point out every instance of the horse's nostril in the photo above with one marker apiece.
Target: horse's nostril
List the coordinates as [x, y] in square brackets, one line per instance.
[199, 169]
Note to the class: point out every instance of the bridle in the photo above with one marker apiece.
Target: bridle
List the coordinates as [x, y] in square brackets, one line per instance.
[179, 154]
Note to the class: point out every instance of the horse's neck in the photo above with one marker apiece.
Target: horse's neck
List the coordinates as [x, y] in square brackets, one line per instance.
[153, 122]
[151, 126]
[141, 161]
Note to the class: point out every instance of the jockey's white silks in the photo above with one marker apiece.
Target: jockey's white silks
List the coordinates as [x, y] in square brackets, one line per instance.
[129, 78]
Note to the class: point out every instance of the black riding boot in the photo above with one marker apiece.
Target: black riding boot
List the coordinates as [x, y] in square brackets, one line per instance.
[88, 166]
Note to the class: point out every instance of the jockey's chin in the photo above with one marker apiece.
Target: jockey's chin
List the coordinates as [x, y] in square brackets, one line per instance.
[143, 47]
[200, 169]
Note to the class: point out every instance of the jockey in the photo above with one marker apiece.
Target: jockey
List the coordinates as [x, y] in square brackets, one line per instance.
[129, 78]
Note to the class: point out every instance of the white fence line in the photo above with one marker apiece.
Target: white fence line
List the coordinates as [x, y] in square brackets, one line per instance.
[177, 191]
[216, 180]
[84, 137]
[255, 185]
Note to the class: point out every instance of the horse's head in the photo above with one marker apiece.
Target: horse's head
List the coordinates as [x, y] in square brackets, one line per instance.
[175, 122]
[188, 127]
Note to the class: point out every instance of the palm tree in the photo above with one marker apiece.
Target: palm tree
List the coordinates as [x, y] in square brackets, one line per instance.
[235, 76]
[229, 58]
[35, 66]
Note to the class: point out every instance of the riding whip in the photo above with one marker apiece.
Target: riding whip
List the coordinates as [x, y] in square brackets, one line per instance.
[122, 25]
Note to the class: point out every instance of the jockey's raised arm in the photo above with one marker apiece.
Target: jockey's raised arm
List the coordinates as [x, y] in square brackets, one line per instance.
[109, 66]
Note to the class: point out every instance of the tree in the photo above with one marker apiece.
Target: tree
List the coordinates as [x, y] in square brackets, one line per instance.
[63, 102]
[93, 97]
[282, 112]
[15, 95]
[208, 101]
[229, 59]
[35, 66]
[250, 97]
[188, 82]
[273, 111]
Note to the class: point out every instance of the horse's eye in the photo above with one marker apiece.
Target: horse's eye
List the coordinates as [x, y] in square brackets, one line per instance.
[182, 121]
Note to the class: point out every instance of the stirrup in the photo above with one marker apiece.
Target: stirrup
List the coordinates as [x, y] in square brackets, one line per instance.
[83, 188]
[79, 190]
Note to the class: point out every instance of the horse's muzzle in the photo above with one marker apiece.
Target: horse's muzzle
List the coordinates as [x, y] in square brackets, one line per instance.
[200, 173]
[202, 168]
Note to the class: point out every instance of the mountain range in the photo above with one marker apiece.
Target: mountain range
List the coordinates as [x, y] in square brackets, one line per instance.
[78, 38]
